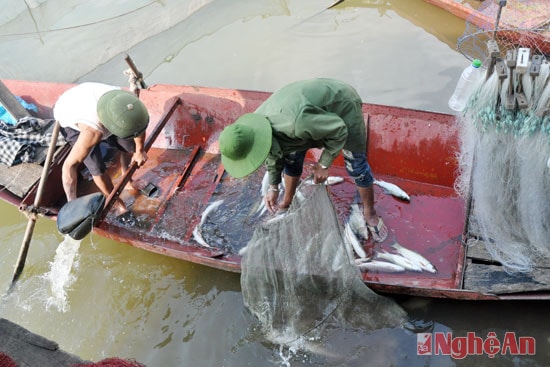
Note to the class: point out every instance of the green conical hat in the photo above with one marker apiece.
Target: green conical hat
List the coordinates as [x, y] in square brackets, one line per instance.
[245, 144]
[122, 113]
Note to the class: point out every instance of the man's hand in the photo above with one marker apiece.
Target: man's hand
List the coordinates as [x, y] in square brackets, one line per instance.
[271, 199]
[320, 174]
[139, 157]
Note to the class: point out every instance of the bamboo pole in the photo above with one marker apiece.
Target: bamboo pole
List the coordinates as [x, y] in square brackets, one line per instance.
[34, 211]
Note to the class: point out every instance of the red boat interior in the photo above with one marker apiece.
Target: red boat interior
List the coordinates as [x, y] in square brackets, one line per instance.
[414, 149]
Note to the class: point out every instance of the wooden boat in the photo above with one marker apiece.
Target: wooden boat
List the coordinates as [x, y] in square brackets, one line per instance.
[414, 149]
[526, 24]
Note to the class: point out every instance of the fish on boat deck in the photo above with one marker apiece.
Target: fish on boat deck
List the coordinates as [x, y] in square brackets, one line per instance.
[399, 260]
[357, 222]
[392, 189]
[352, 239]
[378, 266]
[403, 257]
[197, 233]
[331, 180]
[415, 257]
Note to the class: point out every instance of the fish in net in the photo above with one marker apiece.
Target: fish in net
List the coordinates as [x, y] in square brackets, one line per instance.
[297, 276]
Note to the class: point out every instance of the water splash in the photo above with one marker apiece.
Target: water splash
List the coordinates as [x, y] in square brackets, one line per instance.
[59, 277]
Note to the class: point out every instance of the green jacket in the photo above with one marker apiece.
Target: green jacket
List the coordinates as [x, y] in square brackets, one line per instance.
[316, 113]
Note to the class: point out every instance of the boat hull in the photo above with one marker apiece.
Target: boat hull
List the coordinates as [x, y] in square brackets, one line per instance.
[414, 149]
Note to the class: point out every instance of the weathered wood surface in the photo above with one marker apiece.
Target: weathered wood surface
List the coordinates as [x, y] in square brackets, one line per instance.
[29, 349]
[478, 252]
[485, 274]
[20, 178]
[494, 279]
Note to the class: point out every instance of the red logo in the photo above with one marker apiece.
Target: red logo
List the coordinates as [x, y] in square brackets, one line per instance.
[424, 344]
[460, 347]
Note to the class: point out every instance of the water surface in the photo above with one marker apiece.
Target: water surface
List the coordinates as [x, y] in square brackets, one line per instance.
[122, 301]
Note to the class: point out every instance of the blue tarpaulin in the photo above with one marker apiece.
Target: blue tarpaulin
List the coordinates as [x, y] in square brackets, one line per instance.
[8, 118]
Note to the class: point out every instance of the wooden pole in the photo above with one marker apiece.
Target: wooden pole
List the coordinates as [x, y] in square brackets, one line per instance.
[109, 202]
[37, 201]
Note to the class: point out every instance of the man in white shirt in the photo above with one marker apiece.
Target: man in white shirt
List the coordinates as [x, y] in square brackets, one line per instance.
[90, 113]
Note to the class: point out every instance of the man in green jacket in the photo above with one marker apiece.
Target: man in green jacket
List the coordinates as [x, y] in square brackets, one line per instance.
[316, 113]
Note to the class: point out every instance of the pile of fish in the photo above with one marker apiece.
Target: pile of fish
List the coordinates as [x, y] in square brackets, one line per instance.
[398, 260]
[355, 231]
[401, 260]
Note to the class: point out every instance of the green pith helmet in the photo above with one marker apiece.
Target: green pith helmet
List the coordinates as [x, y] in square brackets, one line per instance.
[245, 144]
[122, 113]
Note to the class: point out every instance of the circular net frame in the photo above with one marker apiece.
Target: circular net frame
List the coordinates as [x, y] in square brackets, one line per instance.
[474, 45]
[512, 24]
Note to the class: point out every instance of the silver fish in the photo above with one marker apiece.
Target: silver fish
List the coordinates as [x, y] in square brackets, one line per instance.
[349, 249]
[209, 209]
[197, 236]
[415, 257]
[392, 189]
[299, 196]
[361, 260]
[331, 180]
[197, 232]
[350, 237]
[357, 222]
[261, 208]
[380, 266]
[265, 184]
[399, 260]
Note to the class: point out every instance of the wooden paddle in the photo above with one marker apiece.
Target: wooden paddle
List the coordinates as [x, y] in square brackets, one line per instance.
[34, 212]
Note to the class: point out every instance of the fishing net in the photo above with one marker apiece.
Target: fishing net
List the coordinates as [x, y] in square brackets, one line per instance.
[473, 43]
[505, 156]
[297, 276]
[523, 23]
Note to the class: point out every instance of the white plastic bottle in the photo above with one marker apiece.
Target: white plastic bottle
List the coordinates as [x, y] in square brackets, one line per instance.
[465, 86]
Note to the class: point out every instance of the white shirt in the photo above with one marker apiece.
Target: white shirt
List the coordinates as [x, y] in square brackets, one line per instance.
[79, 105]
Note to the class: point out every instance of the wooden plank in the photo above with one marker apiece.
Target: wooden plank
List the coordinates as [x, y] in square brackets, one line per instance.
[20, 178]
[494, 279]
[477, 252]
[484, 274]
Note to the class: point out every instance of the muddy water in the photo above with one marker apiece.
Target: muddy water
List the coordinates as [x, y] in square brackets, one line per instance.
[125, 302]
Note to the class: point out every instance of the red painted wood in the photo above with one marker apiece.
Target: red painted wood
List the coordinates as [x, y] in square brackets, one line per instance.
[413, 149]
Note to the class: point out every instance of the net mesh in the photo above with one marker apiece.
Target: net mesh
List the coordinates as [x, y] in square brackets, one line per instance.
[473, 43]
[297, 276]
[519, 23]
[505, 156]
